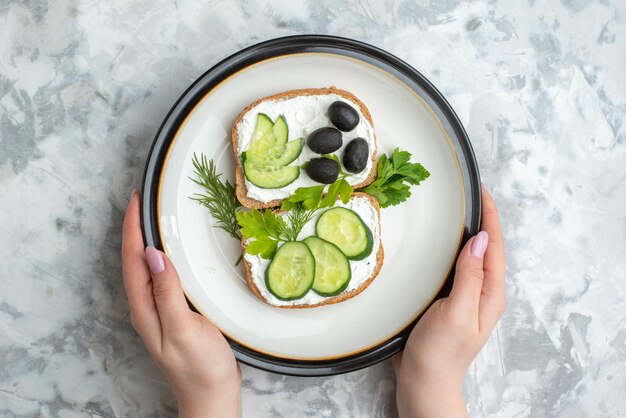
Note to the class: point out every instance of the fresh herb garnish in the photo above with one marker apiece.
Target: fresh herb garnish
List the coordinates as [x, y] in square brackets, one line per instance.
[339, 189]
[335, 159]
[305, 197]
[265, 229]
[296, 219]
[311, 198]
[395, 177]
[219, 197]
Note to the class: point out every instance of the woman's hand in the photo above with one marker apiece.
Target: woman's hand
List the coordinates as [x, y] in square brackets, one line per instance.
[188, 348]
[446, 339]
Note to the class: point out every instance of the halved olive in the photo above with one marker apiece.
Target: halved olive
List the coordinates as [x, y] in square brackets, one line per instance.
[323, 170]
[355, 155]
[343, 116]
[325, 140]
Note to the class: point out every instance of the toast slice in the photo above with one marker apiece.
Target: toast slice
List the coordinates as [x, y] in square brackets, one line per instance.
[255, 266]
[263, 197]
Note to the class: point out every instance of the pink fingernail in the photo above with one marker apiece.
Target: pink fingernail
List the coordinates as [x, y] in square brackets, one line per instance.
[133, 193]
[155, 260]
[479, 245]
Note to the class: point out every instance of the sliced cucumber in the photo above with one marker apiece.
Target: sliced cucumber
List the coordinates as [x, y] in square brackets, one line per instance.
[281, 130]
[274, 138]
[279, 155]
[263, 125]
[262, 146]
[332, 268]
[292, 270]
[346, 230]
[270, 176]
[265, 161]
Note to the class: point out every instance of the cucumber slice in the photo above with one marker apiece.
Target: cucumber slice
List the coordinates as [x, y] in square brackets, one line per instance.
[270, 176]
[346, 230]
[262, 146]
[292, 270]
[279, 155]
[281, 130]
[274, 138]
[332, 268]
[263, 125]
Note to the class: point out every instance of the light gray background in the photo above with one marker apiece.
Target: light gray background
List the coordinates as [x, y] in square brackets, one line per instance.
[539, 85]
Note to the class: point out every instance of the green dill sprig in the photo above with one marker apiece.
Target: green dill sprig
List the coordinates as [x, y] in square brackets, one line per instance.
[218, 197]
[296, 219]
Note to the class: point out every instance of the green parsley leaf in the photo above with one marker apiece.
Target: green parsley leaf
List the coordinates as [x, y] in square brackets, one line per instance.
[308, 197]
[331, 195]
[264, 228]
[266, 248]
[311, 198]
[395, 176]
[345, 191]
[400, 158]
[378, 194]
[288, 205]
[339, 189]
[385, 167]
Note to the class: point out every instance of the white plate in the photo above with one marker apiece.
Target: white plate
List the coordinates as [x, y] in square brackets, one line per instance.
[421, 237]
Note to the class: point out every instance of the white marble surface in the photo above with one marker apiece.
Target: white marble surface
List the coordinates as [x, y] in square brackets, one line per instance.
[539, 85]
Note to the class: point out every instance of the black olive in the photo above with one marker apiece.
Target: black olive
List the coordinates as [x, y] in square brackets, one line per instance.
[325, 140]
[323, 170]
[343, 116]
[355, 156]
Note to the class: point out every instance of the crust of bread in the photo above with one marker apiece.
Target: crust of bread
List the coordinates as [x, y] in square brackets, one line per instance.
[380, 256]
[240, 183]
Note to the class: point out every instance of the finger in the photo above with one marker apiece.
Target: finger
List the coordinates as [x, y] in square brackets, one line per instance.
[137, 281]
[168, 293]
[493, 299]
[468, 278]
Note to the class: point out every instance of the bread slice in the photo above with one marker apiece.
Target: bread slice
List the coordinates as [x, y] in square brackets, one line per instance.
[349, 293]
[240, 183]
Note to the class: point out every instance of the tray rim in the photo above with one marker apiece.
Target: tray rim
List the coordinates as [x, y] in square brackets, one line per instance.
[293, 45]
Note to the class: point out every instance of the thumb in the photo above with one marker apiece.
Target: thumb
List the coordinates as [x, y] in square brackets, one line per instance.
[396, 361]
[168, 294]
[468, 279]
